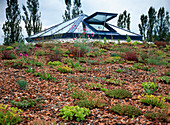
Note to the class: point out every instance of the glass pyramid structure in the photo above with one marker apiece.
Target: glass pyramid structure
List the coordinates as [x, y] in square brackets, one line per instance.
[95, 26]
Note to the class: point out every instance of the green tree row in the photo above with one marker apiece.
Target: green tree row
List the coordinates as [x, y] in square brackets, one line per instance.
[11, 27]
[124, 20]
[155, 25]
[75, 10]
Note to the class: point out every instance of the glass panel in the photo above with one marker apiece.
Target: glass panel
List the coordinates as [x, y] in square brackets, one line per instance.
[63, 28]
[122, 32]
[99, 18]
[99, 27]
[80, 29]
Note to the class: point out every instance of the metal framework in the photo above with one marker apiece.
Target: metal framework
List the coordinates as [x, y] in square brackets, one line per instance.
[95, 26]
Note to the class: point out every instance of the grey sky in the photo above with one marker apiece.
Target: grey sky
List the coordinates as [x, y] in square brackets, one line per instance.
[52, 10]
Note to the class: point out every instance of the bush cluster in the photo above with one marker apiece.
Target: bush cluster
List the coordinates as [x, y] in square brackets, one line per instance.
[88, 99]
[74, 113]
[126, 110]
[9, 115]
[118, 93]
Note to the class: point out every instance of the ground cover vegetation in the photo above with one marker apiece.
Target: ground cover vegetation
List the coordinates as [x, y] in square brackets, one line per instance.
[122, 85]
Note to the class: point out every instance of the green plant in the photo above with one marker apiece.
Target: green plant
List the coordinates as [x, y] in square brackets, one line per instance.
[46, 76]
[8, 54]
[96, 86]
[119, 70]
[40, 53]
[30, 69]
[88, 99]
[128, 39]
[38, 64]
[118, 93]
[137, 65]
[22, 84]
[9, 115]
[114, 81]
[128, 110]
[27, 103]
[74, 112]
[149, 87]
[18, 64]
[165, 79]
[103, 50]
[65, 69]
[55, 63]
[157, 116]
[112, 59]
[114, 55]
[105, 40]
[9, 47]
[153, 100]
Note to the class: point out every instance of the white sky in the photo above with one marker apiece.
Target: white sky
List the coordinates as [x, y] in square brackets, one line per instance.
[52, 10]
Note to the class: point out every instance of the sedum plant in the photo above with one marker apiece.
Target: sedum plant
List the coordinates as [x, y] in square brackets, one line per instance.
[153, 100]
[88, 99]
[9, 115]
[150, 87]
[128, 110]
[165, 79]
[22, 83]
[118, 93]
[163, 116]
[74, 112]
[55, 63]
[65, 69]
[27, 103]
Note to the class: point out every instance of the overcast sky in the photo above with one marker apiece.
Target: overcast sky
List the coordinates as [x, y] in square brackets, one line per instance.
[52, 10]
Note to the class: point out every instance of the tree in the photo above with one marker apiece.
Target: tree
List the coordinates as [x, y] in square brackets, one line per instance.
[143, 25]
[31, 17]
[128, 22]
[67, 15]
[12, 29]
[120, 22]
[162, 25]
[151, 23]
[76, 9]
[124, 20]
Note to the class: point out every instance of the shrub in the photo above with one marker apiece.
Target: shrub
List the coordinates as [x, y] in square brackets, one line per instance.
[65, 69]
[74, 112]
[128, 39]
[118, 93]
[18, 64]
[153, 100]
[114, 81]
[9, 48]
[112, 59]
[114, 55]
[96, 86]
[149, 87]
[119, 70]
[165, 79]
[157, 116]
[22, 84]
[45, 76]
[26, 103]
[79, 49]
[130, 56]
[55, 63]
[8, 54]
[88, 99]
[128, 110]
[40, 53]
[9, 115]
[160, 43]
